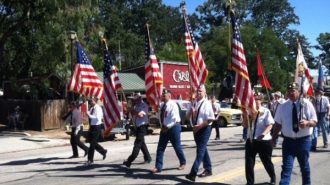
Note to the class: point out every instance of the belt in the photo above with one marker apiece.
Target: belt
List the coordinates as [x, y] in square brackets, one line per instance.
[297, 138]
[144, 125]
[176, 123]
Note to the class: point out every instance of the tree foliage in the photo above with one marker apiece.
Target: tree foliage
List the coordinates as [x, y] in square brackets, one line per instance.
[324, 45]
[34, 35]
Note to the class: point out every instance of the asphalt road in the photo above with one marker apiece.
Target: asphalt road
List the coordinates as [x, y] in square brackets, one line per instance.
[52, 166]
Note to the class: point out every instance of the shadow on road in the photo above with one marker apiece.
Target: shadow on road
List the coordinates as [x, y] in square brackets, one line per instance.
[31, 161]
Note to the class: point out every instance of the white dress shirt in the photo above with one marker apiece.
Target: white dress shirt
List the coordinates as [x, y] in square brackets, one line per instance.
[284, 118]
[96, 115]
[141, 107]
[265, 119]
[321, 104]
[216, 108]
[171, 113]
[205, 111]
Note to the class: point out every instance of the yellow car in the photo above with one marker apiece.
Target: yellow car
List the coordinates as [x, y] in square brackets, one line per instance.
[229, 116]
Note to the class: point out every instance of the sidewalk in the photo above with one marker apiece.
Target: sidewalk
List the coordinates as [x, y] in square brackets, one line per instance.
[11, 141]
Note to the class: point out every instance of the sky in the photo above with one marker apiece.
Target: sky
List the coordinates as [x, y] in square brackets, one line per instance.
[313, 15]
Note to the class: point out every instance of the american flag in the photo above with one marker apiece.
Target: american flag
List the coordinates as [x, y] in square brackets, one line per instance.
[111, 85]
[153, 76]
[242, 81]
[84, 79]
[197, 68]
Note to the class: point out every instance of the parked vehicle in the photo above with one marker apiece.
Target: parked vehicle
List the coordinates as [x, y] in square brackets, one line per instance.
[184, 106]
[229, 116]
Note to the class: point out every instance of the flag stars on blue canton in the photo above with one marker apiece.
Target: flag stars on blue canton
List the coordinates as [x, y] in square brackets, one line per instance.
[190, 32]
[83, 55]
[108, 64]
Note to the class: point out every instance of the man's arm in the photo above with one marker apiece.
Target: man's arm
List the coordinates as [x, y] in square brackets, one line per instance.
[276, 129]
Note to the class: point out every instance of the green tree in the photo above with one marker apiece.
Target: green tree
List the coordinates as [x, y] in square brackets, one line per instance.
[324, 45]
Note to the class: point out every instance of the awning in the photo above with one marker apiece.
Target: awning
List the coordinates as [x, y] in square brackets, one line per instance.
[131, 82]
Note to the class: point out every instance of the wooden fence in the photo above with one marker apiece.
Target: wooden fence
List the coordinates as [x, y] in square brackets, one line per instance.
[40, 115]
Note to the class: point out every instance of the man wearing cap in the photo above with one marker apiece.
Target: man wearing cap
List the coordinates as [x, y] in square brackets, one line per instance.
[170, 131]
[321, 104]
[202, 115]
[295, 119]
[140, 115]
[260, 142]
[278, 100]
[95, 115]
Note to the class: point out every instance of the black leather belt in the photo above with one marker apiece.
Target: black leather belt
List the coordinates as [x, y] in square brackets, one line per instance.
[296, 138]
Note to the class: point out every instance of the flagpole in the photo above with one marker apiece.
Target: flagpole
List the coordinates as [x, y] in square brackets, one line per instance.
[153, 79]
[231, 13]
[104, 41]
[184, 10]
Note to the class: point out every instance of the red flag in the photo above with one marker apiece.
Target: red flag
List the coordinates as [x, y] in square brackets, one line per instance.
[84, 79]
[243, 89]
[153, 76]
[111, 85]
[262, 77]
[197, 68]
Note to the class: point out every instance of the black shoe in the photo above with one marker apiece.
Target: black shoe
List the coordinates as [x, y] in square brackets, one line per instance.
[86, 152]
[217, 138]
[147, 161]
[313, 149]
[205, 174]
[272, 182]
[105, 154]
[74, 156]
[127, 164]
[191, 177]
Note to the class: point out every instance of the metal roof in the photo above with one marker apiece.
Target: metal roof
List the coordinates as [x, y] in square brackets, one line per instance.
[131, 82]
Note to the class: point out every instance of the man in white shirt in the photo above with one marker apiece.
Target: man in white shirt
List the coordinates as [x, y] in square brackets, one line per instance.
[321, 104]
[95, 115]
[140, 116]
[260, 143]
[278, 100]
[216, 110]
[202, 116]
[295, 119]
[76, 130]
[170, 131]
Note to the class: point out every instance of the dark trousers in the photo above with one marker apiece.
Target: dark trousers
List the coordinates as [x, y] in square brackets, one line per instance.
[264, 149]
[75, 141]
[174, 136]
[139, 144]
[215, 125]
[94, 135]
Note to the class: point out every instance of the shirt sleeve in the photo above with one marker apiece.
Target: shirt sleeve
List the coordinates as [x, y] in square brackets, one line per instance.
[310, 111]
[278, 118]
[269, 120]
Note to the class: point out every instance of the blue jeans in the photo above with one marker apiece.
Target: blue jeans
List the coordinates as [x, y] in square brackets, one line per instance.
[201, 140]
[314, 138]
[322, 125]
[296, 148]
[174, 136]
